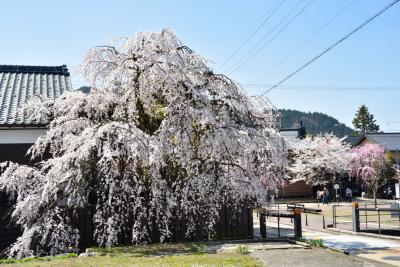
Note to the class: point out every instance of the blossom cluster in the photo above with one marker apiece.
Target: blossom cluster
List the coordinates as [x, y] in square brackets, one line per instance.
[318, 159]
[159, 138]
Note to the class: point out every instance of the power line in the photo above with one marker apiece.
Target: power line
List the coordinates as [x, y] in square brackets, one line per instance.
[266, 35]
[329, 87]
[331, 47]
[308, 40]
[273, 37]
[267, 16]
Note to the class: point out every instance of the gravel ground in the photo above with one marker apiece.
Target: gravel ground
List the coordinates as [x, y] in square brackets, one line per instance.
[310, 257]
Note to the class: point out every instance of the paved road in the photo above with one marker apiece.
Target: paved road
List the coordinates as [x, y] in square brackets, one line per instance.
[310, 258]
[377, 249]
[351, 243]
[281, 254]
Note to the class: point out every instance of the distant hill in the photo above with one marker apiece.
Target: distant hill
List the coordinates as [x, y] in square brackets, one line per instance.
[314, 122]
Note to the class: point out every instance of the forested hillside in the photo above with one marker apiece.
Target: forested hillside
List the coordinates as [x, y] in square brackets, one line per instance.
[315, 122]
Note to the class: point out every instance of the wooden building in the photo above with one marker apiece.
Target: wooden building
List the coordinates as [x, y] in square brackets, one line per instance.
[17, 132]
[390, 141]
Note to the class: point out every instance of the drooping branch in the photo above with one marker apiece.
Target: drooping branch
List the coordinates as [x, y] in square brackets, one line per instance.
[162, 138]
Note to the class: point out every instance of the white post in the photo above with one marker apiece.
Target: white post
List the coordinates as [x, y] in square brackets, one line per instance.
[336, 187]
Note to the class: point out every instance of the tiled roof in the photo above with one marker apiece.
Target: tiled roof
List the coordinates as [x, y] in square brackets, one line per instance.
[391, 141]
[352, 140]
[19, 83]
[293, 135]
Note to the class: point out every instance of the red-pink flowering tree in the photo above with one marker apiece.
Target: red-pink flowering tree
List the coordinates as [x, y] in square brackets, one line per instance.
[371, 166]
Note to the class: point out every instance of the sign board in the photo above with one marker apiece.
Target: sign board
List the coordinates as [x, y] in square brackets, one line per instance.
[336, 186]
[395, 210]
[397, 189]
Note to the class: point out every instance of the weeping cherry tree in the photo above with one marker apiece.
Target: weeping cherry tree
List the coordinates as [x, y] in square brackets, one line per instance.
[160, 137]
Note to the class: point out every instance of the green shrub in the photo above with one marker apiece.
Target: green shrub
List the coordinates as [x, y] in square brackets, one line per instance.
[243, 249]
[315, 242]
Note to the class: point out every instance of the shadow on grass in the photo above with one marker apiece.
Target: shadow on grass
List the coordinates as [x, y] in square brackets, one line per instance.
[153, 249]
[49, 258]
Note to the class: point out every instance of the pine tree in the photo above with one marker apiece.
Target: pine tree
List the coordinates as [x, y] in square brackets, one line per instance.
[364, 121]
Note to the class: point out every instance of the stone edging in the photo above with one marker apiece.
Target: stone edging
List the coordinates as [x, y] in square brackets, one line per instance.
[363, 234]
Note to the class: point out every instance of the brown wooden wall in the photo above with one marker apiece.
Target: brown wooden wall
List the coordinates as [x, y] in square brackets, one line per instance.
[8, 232]
[14, 152]
[297, 189]
[233, 224]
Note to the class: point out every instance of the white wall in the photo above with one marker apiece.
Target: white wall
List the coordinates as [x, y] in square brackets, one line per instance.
[20, 136]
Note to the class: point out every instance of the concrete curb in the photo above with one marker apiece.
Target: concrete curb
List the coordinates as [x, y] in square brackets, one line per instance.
[333, 249]
[345, 252]
[397, 238]
[301, 243]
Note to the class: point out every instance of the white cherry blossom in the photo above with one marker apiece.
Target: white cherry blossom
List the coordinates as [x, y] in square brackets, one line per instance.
[160, 137]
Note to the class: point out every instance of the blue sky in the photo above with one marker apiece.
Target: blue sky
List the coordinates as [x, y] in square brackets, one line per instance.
[365, 69]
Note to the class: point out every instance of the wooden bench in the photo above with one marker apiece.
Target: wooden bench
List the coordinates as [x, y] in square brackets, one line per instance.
[312, 210]
[292, 206]
[303, 208]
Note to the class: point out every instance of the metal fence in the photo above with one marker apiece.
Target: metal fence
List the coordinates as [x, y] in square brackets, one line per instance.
[382, 219]
[342, 217]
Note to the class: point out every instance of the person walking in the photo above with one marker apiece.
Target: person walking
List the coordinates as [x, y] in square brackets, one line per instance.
[349, 194]
[326, 196]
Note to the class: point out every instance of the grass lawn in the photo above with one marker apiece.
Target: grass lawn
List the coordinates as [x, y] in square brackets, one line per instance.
[187, 254]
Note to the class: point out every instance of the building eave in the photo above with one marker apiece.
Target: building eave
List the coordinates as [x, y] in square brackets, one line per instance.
[23, 126]
[360, 140]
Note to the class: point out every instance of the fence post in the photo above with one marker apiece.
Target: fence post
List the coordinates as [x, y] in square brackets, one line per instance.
[263, 226]
[379, 220]
[297, 223]
[393, 212]
[279, 228]
[356, 217]
[334, 216]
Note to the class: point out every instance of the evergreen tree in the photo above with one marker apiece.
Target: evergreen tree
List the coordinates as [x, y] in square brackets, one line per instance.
[364, 121]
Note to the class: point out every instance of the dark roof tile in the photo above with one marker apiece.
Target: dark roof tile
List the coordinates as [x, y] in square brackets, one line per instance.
[391, 141]
[19, 83]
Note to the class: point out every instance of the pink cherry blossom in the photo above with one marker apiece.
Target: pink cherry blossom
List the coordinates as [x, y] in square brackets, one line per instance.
[160, 137]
